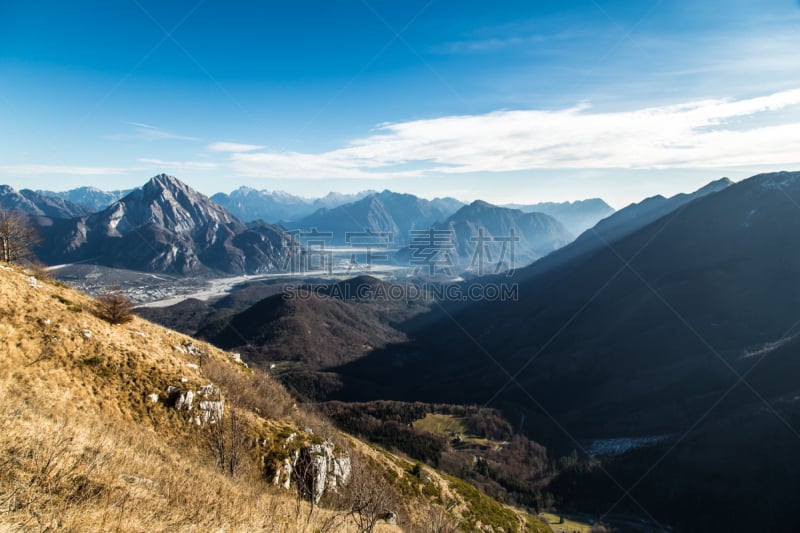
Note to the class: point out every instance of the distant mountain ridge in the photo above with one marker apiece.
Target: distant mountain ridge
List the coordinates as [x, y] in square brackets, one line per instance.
[251, 204]
[165, 226]
[32, 203]
[482, 235]
[620, 224]
[91, 198]
[384, 212]
[577, 216]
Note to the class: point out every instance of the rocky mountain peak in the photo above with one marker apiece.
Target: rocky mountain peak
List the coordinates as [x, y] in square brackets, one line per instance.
[168, 202]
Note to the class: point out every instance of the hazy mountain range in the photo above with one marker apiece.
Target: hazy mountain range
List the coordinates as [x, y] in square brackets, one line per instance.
[485, 238]
[622, 223]
[93, 214]
[91, 198]
[36, 204]
[251, 204]
[576, 217]
[386, 212]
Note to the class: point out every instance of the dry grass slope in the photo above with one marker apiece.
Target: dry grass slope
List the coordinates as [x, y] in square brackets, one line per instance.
[84, 448]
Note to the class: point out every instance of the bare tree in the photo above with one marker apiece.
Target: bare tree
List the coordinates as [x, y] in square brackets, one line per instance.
[369, 497]
[227, 440]
[114, 307]
[438, 519]
[17, 237]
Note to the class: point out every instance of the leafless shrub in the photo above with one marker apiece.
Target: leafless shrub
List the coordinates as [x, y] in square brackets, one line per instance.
[45, 468]
[227, 440]
[437, 519]
[250, 389]
[114, 307]
[39, 271]
[368, 497]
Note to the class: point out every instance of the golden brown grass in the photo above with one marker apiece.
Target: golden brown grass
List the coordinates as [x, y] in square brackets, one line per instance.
[83, 448]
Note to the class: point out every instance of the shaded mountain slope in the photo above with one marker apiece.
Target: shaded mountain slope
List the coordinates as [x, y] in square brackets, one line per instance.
[609, 349]
[623, 222]
[319, 328]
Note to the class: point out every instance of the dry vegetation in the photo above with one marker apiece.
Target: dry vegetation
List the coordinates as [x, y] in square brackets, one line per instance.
[84, 448]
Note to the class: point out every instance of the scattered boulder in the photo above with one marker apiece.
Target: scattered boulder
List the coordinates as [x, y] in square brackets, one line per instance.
[237, 358]
[390, 517]
[192, 349]
[139, 480]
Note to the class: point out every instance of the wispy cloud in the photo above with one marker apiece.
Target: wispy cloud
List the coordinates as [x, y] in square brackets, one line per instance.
[43, 169]
[329, 165]
[233, 147]
[701, 134]
[491, 44]
[147, 132]
[178, 165]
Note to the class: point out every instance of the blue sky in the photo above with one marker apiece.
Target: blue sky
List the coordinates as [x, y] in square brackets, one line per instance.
[505, 101]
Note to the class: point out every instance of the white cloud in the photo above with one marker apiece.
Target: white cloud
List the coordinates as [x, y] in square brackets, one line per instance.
[42, 169]
[491, 44]
[178, 165]
[147, 132]
[233, 147]
[702, 134]
[335, 164]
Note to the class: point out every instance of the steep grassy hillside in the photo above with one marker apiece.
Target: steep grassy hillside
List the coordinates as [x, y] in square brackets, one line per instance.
[91, 439]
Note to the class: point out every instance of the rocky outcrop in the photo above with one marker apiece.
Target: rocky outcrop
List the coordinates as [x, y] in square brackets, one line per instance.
[313, 469]
[209, 409]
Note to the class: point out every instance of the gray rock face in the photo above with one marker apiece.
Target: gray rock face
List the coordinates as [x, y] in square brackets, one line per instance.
[314, 469]
[208, 410]
[185, 401]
